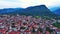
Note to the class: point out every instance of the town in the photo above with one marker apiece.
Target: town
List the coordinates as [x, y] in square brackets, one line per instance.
[21, 24]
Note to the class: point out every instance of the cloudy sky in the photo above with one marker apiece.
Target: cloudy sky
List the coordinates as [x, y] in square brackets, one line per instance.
[27, 3]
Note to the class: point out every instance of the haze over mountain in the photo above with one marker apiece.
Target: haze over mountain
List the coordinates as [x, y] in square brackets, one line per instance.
[57, 11]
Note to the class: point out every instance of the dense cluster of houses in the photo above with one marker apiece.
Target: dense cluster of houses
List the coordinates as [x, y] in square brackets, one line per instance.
[21, 24]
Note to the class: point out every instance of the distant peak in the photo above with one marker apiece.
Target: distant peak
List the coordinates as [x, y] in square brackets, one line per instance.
[42, 5]
[37, 6]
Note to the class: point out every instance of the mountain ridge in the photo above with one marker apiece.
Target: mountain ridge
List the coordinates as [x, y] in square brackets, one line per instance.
[40, 10]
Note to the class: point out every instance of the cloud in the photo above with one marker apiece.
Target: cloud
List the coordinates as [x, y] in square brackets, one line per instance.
[8, 4]
[27, 3]
[52, 2]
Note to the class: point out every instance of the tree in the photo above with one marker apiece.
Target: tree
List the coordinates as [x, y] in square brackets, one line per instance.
[56, 25]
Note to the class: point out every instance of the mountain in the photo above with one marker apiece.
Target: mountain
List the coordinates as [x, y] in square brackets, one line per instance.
[6, 10]
[57, 11]
[40, 10]
[10, 10]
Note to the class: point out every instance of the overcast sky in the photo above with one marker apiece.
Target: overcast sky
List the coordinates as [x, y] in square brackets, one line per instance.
[27, 3]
